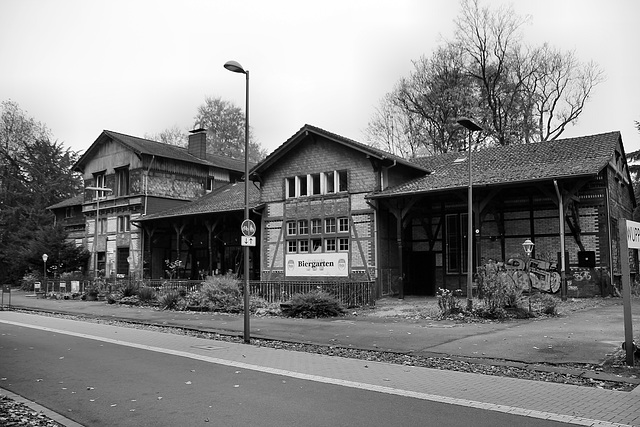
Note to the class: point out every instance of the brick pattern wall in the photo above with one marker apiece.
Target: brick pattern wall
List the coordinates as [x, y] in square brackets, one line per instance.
[317, 155]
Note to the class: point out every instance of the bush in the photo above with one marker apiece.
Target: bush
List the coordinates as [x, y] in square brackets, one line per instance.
[314, 304]
[449, 302]
[497, 289]
[28, 281]
[222, 293]
[544, 304]
[128, 289]
[169, 301]
[147, 295]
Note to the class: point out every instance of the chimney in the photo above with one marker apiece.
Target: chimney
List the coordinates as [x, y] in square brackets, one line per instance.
[198, 143]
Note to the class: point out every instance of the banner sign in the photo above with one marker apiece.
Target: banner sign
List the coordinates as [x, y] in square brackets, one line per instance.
[318, 264]
[633, 234]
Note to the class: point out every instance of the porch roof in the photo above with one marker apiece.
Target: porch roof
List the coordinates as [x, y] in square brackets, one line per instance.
[224, 199]
[513, 164]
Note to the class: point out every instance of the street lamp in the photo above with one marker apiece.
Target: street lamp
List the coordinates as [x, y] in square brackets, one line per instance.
[472, 127]
[95, 231]
[237, 68]
[528, 245]
[45, 257]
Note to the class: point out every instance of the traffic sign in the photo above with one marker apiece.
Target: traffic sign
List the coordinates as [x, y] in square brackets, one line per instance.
[248, 227]
[248, 241]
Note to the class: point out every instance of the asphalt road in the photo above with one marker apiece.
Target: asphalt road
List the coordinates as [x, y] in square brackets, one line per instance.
[97, 383]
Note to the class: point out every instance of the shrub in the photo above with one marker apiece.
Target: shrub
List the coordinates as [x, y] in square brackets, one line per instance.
[544, 304]
[449, 301]
[169, 301]
[222, 293]
[314, 304]
[146, 295]
[28, 281]
[128, 289]
[497, 289]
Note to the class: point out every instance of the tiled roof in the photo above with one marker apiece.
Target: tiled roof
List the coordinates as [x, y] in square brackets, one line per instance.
[562, 158]
[161, 149]
[224, 199]
[298, 136]
[72, 201]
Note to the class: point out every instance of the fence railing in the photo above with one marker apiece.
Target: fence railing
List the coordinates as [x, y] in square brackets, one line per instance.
[351, 294]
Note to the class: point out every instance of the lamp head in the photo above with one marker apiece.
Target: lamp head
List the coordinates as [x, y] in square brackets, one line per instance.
[469, 124]
[528, 247]
[235, 67]
[45, 257]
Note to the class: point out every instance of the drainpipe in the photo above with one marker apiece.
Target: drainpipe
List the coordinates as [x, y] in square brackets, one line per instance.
[563, 278]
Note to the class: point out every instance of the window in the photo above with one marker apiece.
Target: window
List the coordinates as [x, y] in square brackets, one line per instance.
[102, 261]
[68, 212]
[315, 184]
[291, 246]
[100, 181]
[316, 226]
[124, 224]
[330, 225]
[342, 181]
[302, 185]
[330, 183]
[102, 226]
[343, 225]
[122, 181]
[330, 245]
[291, 228]
[456, 240]
[303, 227]
[316, 245]
[343, 244]
[303, 246]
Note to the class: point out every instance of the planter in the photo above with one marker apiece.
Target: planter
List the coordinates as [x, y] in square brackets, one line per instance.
[92, 297]
[40, 295]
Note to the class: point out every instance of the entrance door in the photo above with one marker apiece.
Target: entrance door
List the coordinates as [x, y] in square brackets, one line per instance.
[422, 274]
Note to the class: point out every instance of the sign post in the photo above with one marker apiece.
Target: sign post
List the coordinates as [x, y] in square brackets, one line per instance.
[629, 239]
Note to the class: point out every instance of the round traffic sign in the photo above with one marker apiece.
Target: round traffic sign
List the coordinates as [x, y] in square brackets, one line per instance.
[248, 227]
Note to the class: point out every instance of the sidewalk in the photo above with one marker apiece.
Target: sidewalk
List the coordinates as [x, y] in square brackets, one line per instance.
[564, 403]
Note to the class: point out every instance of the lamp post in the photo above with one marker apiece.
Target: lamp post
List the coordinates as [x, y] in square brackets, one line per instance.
[45, 257]
[95, 231]
[527, 246]
[472, 127]
[237, 68]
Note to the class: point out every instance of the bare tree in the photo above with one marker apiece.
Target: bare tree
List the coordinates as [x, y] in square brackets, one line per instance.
[173, 135]
[517, 93]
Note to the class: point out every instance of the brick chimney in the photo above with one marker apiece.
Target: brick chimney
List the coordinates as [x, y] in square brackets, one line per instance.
[198, 143]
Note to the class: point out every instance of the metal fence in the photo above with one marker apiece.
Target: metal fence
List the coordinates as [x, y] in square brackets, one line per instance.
[351, 294]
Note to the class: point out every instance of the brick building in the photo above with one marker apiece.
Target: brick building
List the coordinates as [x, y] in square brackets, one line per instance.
[316, 221]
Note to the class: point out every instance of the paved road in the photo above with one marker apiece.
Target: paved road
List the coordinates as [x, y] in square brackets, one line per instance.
[111, 381]
[570, 404]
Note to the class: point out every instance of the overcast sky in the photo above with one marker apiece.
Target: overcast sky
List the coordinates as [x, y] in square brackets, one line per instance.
[139, 67]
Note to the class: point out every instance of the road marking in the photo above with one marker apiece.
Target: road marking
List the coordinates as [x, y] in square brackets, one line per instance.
[336, 381]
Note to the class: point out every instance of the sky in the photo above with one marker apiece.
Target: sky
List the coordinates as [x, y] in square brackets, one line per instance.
[141, 66]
